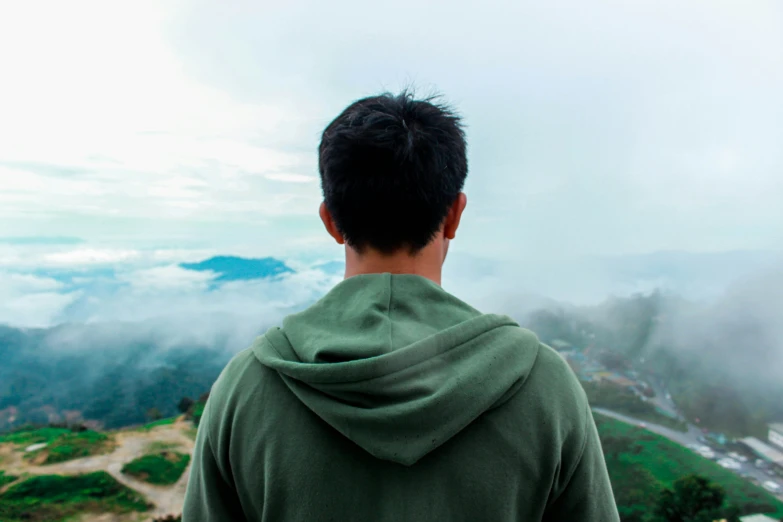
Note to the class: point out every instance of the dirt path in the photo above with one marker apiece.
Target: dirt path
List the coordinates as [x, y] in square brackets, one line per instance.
[130, 445]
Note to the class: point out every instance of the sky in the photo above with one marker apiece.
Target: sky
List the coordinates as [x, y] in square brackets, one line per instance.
[600, 127]
[160, 131]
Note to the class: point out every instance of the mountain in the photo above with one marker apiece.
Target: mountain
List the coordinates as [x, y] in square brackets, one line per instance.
[109, 373]
[230, 268]
[331, 267]
[693, 274]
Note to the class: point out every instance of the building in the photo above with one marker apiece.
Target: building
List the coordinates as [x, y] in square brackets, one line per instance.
[757, 518]
[560, 345]
[764, 450]
[619, 380]
[776, 434]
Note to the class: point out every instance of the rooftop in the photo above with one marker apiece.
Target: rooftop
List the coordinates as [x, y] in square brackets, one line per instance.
[777, 426]
[559, 344]
[764, 450]
[757, 518]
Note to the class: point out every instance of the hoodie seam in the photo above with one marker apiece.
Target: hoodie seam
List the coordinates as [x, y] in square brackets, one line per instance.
[525, 377]
[578, 461]
[466, 341]
[388, 313]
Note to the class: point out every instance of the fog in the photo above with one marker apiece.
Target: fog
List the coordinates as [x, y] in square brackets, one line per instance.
[617, 151]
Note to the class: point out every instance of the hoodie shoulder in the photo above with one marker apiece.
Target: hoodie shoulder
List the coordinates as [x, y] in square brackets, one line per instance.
[553, 382]
[563, 408]
[233, 374]
[241, 380]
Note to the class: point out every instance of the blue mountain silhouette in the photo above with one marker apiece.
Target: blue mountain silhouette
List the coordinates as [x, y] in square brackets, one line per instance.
[230, 268]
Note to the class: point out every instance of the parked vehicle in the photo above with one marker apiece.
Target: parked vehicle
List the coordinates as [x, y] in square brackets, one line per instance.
[772, 486]
[729, 463]
[736, 456]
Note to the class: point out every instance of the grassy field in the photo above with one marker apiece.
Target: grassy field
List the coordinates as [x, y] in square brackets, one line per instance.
[62, 443]
[55, 497]
[6, 479]
[198, 411]
[72, 445]
[161, 422]
[159, 445]
[621, 400]
[642, 463]
[28, 436]
[162, 468]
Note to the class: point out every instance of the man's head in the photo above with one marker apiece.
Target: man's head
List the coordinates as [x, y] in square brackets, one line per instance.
[392, 171]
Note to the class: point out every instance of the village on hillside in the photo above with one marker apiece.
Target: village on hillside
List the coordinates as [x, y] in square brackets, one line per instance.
[758, 461]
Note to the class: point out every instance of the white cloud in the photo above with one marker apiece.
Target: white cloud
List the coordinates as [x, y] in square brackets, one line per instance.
[168, 278]
[106, 125]
[31, 301]
[291, 178]
[593, 128]
[90, 256]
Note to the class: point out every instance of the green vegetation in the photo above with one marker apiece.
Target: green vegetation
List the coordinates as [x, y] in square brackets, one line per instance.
[159, 422]
[622, 400]
[6, 479]
[193, 410]
[55, 497]
[61, 443]
[31, 435]
[694, 498]
[72, 445]
[708, 377]
[642, 465]
[184, 404]
[198, 411]
[158, 468]
[159, 445]
[120, 388]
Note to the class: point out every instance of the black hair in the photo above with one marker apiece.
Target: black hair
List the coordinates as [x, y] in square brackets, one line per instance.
[391, 167]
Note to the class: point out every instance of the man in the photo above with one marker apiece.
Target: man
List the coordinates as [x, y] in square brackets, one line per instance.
[391, 400]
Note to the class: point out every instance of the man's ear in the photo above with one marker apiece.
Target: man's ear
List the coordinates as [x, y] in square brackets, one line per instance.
[454, 216]
[330, 225]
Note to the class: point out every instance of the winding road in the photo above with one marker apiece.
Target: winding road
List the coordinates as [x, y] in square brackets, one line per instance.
[685, 439]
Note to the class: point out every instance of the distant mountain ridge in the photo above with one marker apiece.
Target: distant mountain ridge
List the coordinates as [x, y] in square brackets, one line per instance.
[231, 268]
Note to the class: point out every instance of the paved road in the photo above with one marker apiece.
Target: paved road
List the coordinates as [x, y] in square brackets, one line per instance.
[684, 439]
[662, 398]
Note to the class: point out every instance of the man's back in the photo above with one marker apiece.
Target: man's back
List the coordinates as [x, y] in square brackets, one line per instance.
[392, 400]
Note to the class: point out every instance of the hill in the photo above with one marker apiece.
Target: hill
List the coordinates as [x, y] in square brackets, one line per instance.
[146, 472]
[641, 464]
[719, 361]
[111, 374]
[229, 268]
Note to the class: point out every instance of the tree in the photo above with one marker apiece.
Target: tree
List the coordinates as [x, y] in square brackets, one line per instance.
[154, 414]
[693, 499]
[185, 404]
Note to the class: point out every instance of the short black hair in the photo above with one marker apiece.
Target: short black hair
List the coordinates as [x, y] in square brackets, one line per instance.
[391, 166]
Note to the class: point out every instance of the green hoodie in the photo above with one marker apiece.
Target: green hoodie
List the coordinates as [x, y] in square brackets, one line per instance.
[391, 400]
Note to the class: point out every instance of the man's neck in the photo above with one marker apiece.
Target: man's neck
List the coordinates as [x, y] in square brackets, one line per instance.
[427, 263]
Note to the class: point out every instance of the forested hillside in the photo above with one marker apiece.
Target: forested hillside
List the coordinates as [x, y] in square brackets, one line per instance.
[720, 362]
[116, 381]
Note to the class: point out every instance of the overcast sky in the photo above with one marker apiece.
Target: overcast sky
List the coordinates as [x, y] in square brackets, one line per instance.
[594, 127]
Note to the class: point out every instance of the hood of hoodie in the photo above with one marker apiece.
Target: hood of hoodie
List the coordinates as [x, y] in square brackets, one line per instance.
[397, 364]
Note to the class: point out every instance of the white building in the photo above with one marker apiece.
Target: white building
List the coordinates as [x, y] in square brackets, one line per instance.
[764, 450]
[757, 518]
[776, 434]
